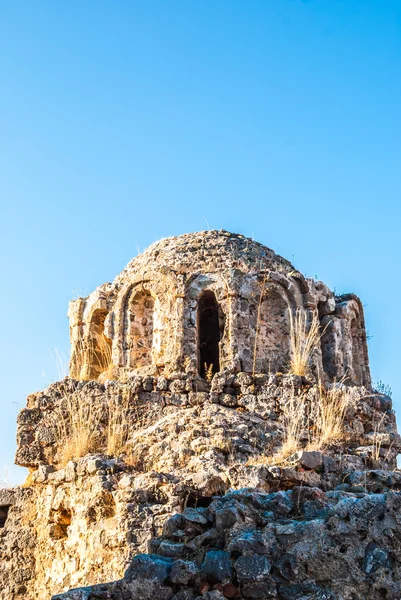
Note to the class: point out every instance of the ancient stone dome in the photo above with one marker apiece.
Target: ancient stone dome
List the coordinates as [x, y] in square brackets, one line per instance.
[208, 250]
[212, 301]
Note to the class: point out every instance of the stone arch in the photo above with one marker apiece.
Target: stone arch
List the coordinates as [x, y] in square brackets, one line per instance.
[355, 340]
[209, 286]
[139, 340]
[263, 323]
[271, 353]
[210, 330]
[162, 287]
[91, 354]
[344, 343]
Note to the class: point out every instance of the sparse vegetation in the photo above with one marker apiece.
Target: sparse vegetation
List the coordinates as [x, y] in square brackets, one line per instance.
[377, 439]
[61, 363]
[294, 424]
[383, 389]
[329, 414]
[92, 357]
[118, 423]
[5, 479]
[305, 334]
[77, 426]
[313, 422]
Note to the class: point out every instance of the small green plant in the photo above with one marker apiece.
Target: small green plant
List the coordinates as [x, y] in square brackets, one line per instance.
[383, 389]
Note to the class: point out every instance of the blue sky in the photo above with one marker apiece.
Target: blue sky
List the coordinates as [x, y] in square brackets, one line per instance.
[125, 122]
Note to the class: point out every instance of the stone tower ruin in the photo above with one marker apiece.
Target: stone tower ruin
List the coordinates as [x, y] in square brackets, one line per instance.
[188, 454]
[212, 298]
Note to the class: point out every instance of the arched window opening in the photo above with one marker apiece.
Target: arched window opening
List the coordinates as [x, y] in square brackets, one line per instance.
[141, 326]
[210, 332]
[271, 351]
[97, 347]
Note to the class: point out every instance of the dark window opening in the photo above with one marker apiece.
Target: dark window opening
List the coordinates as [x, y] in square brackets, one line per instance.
[209, 335]
[194, 501]
[3, 515]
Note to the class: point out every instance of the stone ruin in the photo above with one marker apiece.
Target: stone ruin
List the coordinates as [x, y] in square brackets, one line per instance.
[158, 465]
[212, 298]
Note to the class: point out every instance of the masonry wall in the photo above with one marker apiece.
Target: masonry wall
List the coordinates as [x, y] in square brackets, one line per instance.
[151, 330]
[79, 524]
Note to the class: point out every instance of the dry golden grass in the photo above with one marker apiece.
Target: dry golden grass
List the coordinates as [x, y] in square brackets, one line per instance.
[294, 424]
[77, 425]
[312, 423]
[94, 353]
[117, 423]
[328, 414]
[304, 337]
[377, 439]
[208, 372]
[5, 479]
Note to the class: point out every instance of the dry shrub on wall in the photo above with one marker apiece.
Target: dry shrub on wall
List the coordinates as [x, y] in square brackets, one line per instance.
[313, 422]
[294, 424]
[329, 412]
[83, 426]
[77, 421]
[305, 335]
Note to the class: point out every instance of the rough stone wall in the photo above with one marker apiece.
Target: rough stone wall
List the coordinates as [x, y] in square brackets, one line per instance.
[255, 289]
[17, 544]
[303, 544]
[85, 521]
[78, 525]
[247, 414]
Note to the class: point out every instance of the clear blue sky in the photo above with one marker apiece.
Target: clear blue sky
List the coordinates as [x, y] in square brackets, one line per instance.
[125, 122]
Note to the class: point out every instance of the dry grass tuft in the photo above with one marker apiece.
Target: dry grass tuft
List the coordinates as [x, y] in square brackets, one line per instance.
[313, 423]
[5, 479]
[208, 372]
[77, 425]
[304, 337]
[118, 424]
[294, 424]
[378, 440]
[329, 413]
[92, 357]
